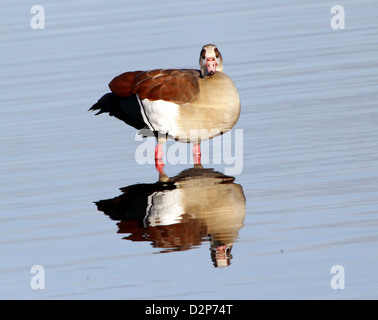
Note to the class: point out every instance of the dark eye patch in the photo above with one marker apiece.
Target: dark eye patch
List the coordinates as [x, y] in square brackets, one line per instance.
[217, 53]
[203, 53]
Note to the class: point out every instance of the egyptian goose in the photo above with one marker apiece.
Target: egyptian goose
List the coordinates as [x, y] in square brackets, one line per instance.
[186, 105]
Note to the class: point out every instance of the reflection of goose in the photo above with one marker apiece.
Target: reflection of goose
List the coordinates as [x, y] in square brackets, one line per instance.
[187, 105]
[180, 214]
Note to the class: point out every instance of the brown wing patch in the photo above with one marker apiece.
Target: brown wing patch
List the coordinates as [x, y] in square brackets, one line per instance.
[123, 84]
[179, 86]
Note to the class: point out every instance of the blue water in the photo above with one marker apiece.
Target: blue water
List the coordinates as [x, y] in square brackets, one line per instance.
[309, 124]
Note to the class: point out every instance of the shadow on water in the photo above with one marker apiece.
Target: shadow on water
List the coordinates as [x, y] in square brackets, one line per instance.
[195, 206]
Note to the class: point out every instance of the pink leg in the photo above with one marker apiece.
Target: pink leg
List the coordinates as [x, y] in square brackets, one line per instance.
[196, 154]
[159, 164]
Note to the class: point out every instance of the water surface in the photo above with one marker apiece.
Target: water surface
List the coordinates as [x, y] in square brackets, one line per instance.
[310, 170]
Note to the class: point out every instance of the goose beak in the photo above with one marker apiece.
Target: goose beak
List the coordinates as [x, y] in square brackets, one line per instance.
[211, 66]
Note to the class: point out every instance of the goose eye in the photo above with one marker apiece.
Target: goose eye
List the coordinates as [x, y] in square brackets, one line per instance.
[216, 52]
[203, 54]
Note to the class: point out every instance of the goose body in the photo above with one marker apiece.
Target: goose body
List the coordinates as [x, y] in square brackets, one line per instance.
[186, 105]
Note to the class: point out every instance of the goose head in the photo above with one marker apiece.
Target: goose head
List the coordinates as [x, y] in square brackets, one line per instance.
[210, 60]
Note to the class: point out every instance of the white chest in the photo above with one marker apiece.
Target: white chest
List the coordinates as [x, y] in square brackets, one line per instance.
[160, 116]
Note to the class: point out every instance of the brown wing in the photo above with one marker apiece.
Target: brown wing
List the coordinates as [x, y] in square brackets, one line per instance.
[124, 83]
[179, 86]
